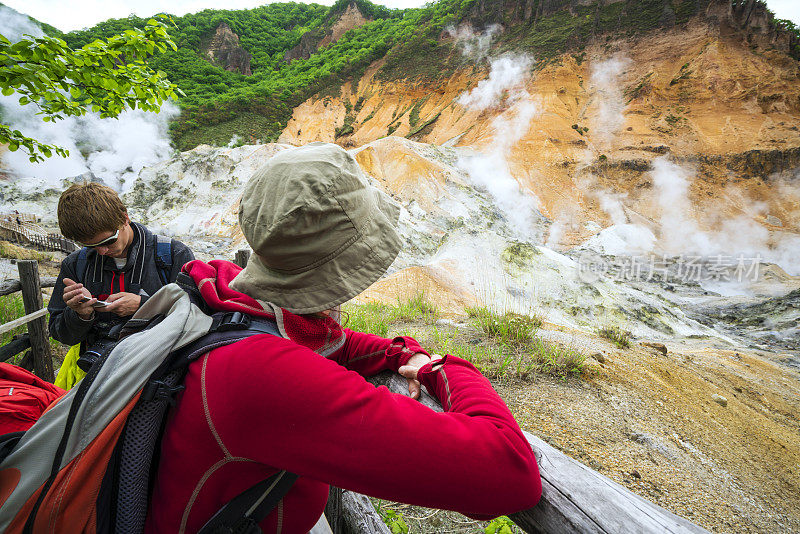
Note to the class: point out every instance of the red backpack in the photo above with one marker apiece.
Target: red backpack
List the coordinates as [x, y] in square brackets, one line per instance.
[23, 398]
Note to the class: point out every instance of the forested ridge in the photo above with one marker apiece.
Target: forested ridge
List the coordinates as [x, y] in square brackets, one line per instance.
[219, 104]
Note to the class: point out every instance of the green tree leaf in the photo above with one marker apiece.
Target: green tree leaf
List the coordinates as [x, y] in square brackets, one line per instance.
[67, 82]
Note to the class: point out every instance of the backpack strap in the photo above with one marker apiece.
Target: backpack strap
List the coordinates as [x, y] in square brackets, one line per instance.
[139, 445]
[163, 256]
[80, 265]
[72, 415]
[188, 285]
[8, 442]
[244, 512]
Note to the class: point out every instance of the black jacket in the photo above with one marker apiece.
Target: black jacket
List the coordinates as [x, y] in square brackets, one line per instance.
[102, 278]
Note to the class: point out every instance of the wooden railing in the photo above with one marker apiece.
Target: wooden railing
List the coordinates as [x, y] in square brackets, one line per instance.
[25, 230]
[575, 499]
[37, 337]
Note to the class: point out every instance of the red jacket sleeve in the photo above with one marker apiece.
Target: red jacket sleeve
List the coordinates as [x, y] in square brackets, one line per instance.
[368, 354]
[282, 405]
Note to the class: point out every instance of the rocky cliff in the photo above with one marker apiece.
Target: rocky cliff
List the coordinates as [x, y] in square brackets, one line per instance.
[224, 51]
[751, 18]
[313, 40]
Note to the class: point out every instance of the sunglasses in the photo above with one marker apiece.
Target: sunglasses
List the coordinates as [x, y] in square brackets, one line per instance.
[107, 242]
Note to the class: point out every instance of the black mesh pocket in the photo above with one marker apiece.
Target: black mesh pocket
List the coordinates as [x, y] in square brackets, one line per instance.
[136, 455]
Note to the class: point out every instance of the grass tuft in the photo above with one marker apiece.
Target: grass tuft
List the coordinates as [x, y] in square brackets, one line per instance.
[10, 250]
[498, 345]
[615, 334]
[555, 359]
[370, 318]
[11, 307]
[508, 327]
[375, 317]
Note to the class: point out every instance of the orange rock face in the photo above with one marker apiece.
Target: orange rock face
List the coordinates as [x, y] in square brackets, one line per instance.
[726, 113]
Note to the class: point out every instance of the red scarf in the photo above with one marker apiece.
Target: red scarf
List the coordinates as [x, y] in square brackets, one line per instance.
[212, 278]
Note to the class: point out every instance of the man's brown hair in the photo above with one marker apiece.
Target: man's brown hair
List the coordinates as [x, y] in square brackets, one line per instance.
[89, 208]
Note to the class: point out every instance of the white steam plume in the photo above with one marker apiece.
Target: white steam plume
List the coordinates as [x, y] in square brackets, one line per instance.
[115, 150]
[679, 231]
[490, 170]
[13, 25]
[472, 44]
[610, 202]
[507, 76]
[736, 236]
[610, 100]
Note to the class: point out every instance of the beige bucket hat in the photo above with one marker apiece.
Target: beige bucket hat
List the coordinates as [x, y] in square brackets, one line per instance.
[321, 234]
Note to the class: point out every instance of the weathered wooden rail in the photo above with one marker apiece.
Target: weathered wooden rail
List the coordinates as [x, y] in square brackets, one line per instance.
[12, 286]
[37, 338]
[575, 499]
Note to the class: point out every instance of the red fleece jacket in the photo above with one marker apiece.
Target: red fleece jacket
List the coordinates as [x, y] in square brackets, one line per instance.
[265, 403]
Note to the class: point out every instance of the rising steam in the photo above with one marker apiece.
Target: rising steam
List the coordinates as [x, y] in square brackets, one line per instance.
[740, 235]
[609, 99]
[474, 45]
[115, 150]
[490, 170]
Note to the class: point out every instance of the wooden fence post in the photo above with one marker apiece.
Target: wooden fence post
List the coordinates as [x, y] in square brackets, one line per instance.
[32, 298]
[242, 256]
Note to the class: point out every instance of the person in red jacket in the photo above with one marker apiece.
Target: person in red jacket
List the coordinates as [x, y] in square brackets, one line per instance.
[321, 235]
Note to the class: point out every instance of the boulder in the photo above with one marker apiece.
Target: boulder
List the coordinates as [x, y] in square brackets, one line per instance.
[660, 347]
[719, 399]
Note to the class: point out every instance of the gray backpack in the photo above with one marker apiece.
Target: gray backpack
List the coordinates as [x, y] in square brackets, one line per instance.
[86, 464]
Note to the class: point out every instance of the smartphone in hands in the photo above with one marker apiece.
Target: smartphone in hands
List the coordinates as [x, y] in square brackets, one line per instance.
[98, 304]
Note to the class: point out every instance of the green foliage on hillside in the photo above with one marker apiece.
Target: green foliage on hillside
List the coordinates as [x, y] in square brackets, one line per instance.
[412, 43]
[215, 97]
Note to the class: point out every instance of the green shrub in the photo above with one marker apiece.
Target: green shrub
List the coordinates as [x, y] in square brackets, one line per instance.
[392, 518]
[501, 525]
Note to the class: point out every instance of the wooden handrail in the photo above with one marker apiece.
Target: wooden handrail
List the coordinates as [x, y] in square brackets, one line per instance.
[12, 285]
[30, 285]
[36, 235]
[17, 345]
[25, 319]
[575, 499]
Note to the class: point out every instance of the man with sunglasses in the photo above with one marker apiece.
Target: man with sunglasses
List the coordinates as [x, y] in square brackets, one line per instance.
[119, 265]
